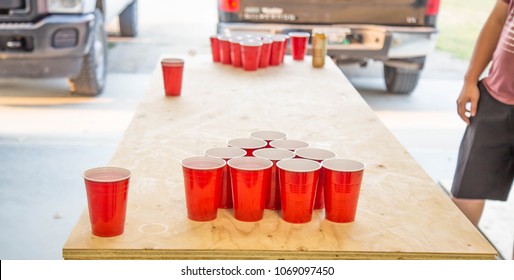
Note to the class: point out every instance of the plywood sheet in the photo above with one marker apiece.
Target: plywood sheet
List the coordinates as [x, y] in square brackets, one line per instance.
[402, 213]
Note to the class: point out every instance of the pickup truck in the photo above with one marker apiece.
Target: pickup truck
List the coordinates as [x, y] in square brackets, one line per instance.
[61, 38]
[401, 33]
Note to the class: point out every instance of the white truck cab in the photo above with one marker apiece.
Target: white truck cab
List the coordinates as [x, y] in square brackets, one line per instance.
[61, 38]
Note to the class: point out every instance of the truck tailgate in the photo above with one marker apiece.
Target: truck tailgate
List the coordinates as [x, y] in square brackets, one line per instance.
[389, 12]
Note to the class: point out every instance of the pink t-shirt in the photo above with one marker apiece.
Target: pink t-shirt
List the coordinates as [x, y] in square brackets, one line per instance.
[500, 81]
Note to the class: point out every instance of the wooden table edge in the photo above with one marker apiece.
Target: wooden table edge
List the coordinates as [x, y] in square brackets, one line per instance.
[130, 254]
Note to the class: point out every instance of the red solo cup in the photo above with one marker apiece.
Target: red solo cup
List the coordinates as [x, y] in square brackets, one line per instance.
[202, 182]
[215, 48]
[273, 192]
[318, 155]
[277, 50]
[343, 179]
[265, 53]
[288, 144]
[250, 179]
[268, 136]
[107, 190]
[247, 144]
[299, 42]
[172, 72]
[298, 178]
[250, 54]
[286, 39]
[235, 52]
[224, 42]
[225, 153]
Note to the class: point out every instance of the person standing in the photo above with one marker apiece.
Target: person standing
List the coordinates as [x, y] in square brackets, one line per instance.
[485, 167]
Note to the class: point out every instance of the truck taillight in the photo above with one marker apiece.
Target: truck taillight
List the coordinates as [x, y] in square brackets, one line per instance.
[230, 6]
[432, 7]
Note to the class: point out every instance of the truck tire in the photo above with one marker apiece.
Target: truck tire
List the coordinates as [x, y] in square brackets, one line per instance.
[91, 79]
[400, 80]
[128, 20]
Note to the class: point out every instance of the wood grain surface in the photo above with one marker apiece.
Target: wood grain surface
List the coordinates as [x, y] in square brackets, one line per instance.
[402, 212]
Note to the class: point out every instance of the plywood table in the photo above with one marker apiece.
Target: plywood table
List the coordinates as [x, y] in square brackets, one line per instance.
[402, 213]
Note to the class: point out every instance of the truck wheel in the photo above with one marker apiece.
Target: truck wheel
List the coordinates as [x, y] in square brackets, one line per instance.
[128, 20]
[91, 78]
[400, 80]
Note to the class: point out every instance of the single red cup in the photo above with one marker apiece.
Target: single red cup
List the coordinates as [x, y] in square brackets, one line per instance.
[224, 43]
[172, 72]
[247, 144]
[107, 190]
[225, 153]
[250, 179]
[343, 179]
[268, 136]
[250, 54]
[235, 52]
[299, 42]
[277, 50]
[298, 179]
[284, 51]
[318, 155]
[265, 53]
[288, 144]
[273, 191]
[215, 48]
[202, 182]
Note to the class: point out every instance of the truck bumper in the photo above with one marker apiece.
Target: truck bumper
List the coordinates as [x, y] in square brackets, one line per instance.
[52, 47]
[373, 41]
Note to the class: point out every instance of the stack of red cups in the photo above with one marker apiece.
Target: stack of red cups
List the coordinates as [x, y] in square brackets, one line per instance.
[248, 51]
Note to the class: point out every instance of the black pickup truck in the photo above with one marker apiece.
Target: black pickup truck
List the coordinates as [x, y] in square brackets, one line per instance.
[401, 33]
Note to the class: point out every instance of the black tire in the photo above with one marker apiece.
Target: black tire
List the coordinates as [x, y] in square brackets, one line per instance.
[91, 79]
[400, 80]
[128, 20]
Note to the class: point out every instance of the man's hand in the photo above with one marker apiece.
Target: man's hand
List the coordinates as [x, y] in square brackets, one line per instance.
[468, 95]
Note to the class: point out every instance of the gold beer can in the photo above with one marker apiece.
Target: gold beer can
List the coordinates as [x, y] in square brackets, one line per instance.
[319, 49]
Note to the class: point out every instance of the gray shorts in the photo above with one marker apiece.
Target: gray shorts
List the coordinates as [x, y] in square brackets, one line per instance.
[485, 167]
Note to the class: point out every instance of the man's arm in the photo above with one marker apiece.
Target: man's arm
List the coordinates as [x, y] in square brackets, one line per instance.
[482, 55]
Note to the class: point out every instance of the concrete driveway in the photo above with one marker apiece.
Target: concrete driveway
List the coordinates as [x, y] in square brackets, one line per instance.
[47, 138]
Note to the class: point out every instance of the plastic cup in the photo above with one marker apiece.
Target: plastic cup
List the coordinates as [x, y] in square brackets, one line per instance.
[265, 53]
[288, 144]
[298, 179]
[202, 182]
[268, 136]
[299, 42]
[273, 192]
[250, 178]
[250, 54]
[225, 153]
[247, 144]
[224, 42]
[343, 179]
[172, 72]
[277, 50]
[107, 190]
[235, 52]
[215, 48]
[286, 39]
[318, 155]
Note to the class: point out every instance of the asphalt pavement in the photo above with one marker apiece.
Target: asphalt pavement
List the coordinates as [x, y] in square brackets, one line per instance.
[47, 137]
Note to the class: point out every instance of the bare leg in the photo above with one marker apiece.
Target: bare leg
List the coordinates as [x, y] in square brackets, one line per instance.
[472, 208]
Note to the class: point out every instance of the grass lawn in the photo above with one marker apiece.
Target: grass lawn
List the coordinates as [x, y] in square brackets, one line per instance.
[459, 23]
